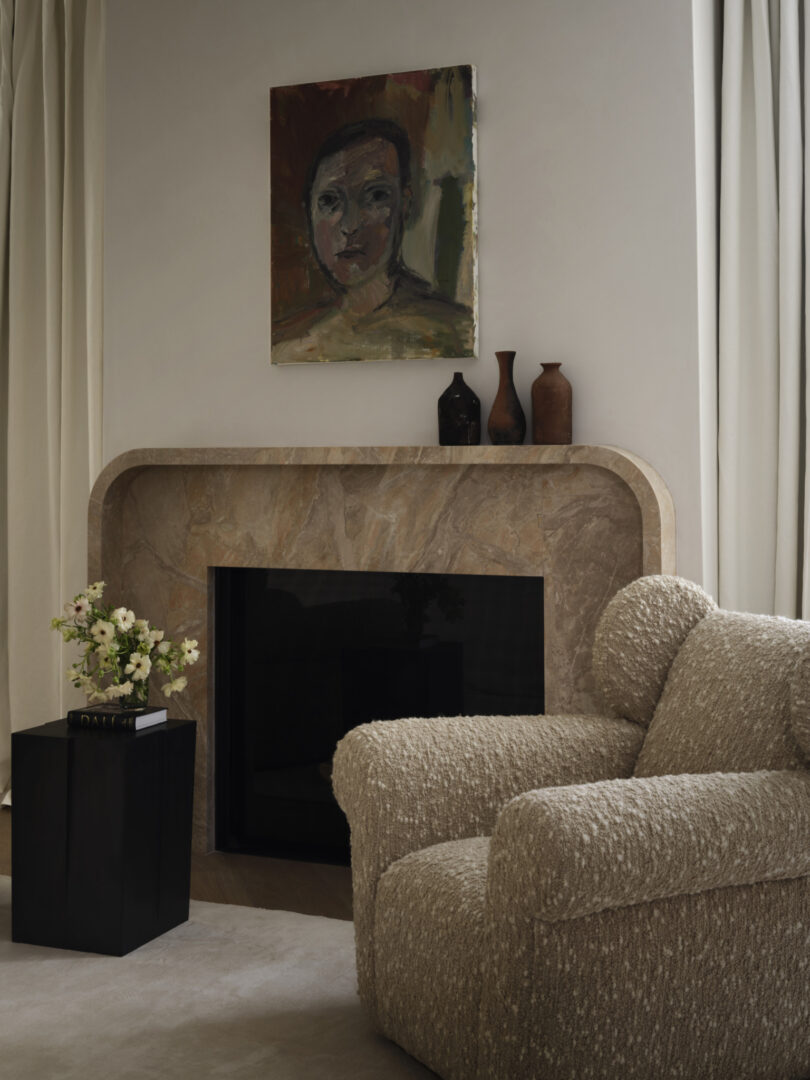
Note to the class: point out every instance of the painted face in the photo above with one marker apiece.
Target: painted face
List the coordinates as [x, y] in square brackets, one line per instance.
[356, 208]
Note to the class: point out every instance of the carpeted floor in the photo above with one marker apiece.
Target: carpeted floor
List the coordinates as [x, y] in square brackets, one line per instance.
[235, 992]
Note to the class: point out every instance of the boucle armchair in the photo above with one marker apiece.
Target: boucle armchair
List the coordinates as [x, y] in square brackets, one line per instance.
[623, 897]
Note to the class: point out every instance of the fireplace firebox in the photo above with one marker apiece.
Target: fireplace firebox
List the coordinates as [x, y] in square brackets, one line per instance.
[302, 656]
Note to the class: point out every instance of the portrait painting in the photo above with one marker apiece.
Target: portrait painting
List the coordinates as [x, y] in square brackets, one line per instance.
[373, 218]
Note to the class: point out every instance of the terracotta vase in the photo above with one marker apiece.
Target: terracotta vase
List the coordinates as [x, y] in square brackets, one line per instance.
[459, 415]
[551, 407]
[507, 421]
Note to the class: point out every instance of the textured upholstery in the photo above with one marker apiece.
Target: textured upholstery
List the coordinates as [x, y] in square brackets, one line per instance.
[407, 784]
[702, 986]
[622, 842]
[800, 704]
[433, 993]
[638, 637]
[726, 705]
[527, 909]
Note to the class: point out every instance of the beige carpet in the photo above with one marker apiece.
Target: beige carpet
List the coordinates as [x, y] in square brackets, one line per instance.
[234, 992]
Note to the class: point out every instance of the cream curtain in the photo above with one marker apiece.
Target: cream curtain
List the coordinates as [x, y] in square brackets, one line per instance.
[51, 185]
[763, 538]
[6, 104]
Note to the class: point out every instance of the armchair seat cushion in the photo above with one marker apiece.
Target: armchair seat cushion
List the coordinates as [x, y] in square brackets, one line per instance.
[429, 936]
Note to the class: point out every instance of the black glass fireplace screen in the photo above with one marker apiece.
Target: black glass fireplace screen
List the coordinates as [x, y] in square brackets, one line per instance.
[302, 656]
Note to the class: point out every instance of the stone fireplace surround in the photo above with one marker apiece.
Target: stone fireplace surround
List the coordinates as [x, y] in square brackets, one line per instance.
[589, 519]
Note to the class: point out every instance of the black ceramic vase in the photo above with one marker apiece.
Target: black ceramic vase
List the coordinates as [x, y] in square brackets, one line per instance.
[459, 415]
[507, 421]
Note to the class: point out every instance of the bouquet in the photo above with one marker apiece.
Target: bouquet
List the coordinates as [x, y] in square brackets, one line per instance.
[120, 652]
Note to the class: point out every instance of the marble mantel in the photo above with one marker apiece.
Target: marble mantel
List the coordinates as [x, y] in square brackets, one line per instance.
[588, 518]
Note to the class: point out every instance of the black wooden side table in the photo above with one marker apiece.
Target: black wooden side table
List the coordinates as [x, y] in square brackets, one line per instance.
[100, 835]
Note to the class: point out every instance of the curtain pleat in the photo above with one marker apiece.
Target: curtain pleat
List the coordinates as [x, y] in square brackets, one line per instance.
[805, 523]
[730, 291]
[761, 442]
[791, 288]
[54, 335]
[6, 106]
[34, 375]
[92, 197]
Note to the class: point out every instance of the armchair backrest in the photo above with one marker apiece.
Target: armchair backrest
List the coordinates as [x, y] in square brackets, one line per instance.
[726, 705]
[721, 691]
[638, 636]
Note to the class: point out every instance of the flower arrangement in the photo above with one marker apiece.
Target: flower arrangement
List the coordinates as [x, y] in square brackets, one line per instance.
[119, 651]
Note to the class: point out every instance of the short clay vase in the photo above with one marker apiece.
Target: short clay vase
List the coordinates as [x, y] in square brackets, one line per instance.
[551, 407]
[459, 415]
[507, 421]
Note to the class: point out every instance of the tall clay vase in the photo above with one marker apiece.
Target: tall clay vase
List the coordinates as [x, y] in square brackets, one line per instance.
[459, 415]
[507, 421]
[551, 407]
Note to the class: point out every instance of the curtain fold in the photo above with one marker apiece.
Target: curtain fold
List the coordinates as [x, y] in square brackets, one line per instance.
[787, 598]
[805, 527]
[762, 310]
[52, 349]
[6, 106]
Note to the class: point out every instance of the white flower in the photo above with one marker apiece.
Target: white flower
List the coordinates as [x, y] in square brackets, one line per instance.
[78, 608]
[150, 636]
[123, 618]
[79, 677]
[138, 667]
[142, 626]
[94, 591]
[118, 691]
[190, 651]
[173, 687]
[103, 632]
[96, 697]
[164, 647]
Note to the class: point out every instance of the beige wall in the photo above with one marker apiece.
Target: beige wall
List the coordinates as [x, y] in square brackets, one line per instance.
[586, 209]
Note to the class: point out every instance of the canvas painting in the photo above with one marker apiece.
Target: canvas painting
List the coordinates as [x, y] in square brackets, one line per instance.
[373, 218]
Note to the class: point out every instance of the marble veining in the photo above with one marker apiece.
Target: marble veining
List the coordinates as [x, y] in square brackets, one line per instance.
[589, 519]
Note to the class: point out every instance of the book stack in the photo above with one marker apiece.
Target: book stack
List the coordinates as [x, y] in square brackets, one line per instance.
[115, 717]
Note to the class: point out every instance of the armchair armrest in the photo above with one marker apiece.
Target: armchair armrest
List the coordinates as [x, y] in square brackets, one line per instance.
[567, 852]
[406, 784]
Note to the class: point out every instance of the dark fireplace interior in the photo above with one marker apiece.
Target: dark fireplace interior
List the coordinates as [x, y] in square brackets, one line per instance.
[303, 656]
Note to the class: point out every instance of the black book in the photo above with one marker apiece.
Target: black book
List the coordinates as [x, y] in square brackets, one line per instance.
[115, 718]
